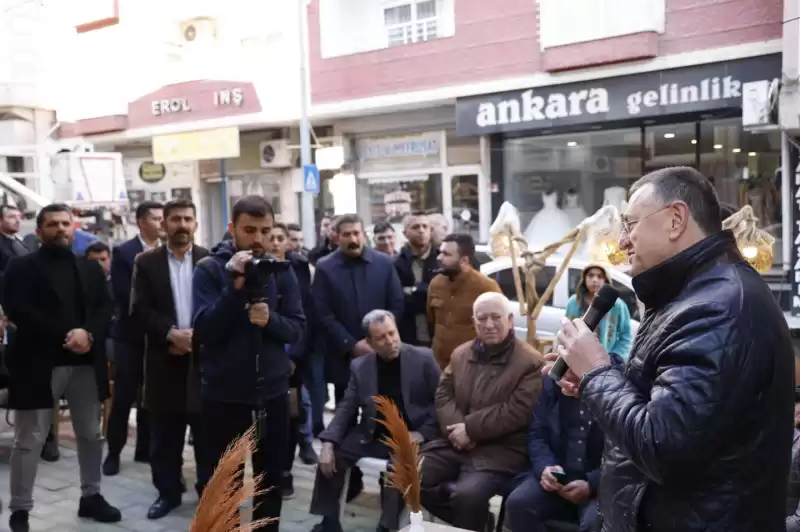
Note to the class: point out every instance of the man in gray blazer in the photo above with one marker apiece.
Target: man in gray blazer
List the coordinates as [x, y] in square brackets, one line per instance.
[409, 376]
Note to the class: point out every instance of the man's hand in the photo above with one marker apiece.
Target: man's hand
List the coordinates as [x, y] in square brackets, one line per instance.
[237, 265]
[417, 437]
[327, 460]
[77, 341]
[361, 348]
[259, 314]
[580, 348]
[548, 481]
[458, 436]
[570, 383]
[180, 341]
[577, 491]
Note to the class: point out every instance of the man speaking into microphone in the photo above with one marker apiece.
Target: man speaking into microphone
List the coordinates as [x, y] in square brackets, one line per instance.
[699, 422]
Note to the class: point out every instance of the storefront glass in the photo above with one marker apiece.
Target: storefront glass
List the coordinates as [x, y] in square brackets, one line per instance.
[390, 199]
[556, 181]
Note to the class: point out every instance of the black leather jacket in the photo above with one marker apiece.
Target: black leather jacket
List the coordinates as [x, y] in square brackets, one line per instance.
[699, 423]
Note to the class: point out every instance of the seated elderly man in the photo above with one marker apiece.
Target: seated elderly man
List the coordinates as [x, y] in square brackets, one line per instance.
[408, 376]
[565, 449]
[484, 404]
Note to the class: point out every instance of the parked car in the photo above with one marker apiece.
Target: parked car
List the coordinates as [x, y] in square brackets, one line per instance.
[549, 321]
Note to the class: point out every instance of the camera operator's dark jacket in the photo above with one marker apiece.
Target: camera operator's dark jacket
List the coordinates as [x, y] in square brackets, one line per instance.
[699, 423]
[229, 343]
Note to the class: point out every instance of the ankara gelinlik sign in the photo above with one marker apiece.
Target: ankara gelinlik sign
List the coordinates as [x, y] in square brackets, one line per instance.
[681, 90]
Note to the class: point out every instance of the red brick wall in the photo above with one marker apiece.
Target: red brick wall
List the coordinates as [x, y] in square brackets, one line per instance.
[496, 40]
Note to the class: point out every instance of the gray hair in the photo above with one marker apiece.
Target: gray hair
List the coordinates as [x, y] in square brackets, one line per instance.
[685, 184]
[373, 317]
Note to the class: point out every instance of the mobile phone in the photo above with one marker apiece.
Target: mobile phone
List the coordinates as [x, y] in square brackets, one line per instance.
[560, 477]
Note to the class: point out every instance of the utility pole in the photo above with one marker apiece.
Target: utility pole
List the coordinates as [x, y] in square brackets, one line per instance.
[307, 198]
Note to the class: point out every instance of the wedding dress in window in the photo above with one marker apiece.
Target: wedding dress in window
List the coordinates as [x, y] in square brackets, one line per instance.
[548, 225]
[573, 210]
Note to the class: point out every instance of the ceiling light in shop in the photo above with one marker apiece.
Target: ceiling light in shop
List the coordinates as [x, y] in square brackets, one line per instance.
[752, 154]
[572, 144]
[736, 150]
[694, 141]
[669, 135]
[717, 146]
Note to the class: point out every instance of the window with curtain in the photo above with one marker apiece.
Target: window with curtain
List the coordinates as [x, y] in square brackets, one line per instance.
[411, 22]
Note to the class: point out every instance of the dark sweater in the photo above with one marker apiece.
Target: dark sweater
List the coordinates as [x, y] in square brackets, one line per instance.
[389, 386]
[64, 278]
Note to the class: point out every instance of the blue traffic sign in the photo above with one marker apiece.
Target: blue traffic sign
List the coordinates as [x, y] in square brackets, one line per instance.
[311, 178]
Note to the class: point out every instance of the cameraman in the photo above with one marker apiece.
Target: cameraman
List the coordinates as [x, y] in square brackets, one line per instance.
[246, 313]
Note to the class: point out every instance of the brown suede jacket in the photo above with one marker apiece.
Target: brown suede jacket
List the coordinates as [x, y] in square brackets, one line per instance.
[450, 310]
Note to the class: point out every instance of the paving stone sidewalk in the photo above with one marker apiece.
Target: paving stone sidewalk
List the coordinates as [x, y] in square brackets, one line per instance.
[57, 492]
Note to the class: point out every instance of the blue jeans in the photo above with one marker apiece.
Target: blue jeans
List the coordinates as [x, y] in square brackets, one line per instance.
[528, 507]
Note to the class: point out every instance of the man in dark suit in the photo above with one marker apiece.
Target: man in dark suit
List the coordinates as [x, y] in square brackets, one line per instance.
[61, 308]
[408, 376]
[162, 303]
[348, 284]
[129, 341]
[10, 244]
[416, 266]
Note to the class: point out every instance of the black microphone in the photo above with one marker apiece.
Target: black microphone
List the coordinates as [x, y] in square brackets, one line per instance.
[602, 303]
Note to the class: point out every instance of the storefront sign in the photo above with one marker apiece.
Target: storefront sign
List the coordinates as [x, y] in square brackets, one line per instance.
[681, 90]
[150, 172]
[195, 100]
[394, 147]
[222, 143]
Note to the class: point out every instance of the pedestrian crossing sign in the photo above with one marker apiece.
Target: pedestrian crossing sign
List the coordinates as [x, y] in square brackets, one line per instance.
[311, 178]
[79, 196]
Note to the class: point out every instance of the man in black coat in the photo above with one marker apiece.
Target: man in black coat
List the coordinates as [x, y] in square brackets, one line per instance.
[61, 308]
[416, 265]
[698, 424]
[161, 301]
[129, 341]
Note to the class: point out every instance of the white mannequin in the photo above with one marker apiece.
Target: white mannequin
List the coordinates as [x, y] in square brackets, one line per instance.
[573, 209]
[548, 225]
[616, 196]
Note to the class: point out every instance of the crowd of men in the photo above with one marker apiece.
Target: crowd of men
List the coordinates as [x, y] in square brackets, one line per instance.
[691, 432]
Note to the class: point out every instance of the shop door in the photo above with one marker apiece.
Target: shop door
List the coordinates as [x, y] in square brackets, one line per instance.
[466, 201]
[215, 226]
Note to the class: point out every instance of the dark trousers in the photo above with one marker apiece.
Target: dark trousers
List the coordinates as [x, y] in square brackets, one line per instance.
[166, 459]
[529, 506]
[317, 391]
[328, 490]
[295, 436]
[227, 421]
[455, 492]
[128, 378]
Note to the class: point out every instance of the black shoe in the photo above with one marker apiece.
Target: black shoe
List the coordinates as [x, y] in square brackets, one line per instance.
[356, 485]
[381, 528]
[97, 508]
[287, 486]
[308, 455]
[18, 522]
[111, 465]
[50, 451]
[327, 525]
[162, 507]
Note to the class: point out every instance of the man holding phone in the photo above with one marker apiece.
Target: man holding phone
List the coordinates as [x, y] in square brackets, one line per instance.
[565, 447]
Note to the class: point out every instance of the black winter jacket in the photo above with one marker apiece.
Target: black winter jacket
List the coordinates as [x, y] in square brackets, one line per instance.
[699, 423]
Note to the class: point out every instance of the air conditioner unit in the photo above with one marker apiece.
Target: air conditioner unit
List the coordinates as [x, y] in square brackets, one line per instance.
[601, 164]
[275, 154]
[760, 104]
[197, 30]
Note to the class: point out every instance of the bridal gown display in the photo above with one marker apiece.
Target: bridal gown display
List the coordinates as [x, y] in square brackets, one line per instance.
[573, 210]
[548, 225]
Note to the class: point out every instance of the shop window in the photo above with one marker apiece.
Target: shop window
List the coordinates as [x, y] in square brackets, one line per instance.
[671, 145]
[505, 279]
[745, 169]
[391, 199]
[555, 182]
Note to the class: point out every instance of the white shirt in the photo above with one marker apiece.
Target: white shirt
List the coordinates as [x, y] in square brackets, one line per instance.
[145, 247]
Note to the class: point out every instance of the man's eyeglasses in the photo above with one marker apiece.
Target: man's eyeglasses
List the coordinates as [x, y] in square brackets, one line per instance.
[629, 225]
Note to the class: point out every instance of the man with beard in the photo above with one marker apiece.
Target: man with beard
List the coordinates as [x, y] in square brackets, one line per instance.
[162, 302]
[129, 341]
[61, 307]
[452, 293]
[416, 266]
[698, 424]
[243, 322]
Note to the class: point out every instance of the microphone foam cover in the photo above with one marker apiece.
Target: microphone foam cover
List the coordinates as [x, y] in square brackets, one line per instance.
[605, 298]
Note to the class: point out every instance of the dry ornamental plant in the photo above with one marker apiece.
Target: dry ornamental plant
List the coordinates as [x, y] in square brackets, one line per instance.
[218, 510]
[406, 463]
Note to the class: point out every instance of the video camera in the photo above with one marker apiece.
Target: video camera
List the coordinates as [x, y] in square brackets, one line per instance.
[258, 273]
